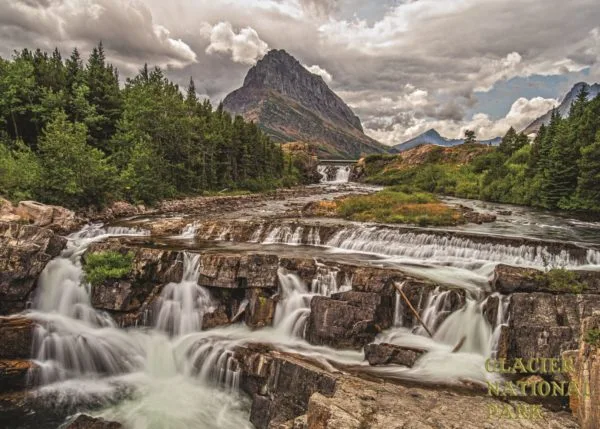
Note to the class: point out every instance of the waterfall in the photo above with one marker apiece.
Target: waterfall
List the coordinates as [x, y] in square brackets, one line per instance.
[188, 232]
[84, 358]
[181, 306]
[423, 246]
[71, 339]
[293, 307]
[342, 173]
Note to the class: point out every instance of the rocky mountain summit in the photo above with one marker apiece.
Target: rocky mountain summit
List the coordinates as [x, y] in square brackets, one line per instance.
[292, 104]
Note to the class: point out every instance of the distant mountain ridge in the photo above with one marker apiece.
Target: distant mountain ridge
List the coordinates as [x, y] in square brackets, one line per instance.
[564, 106]
[433, 137]
[292, 104]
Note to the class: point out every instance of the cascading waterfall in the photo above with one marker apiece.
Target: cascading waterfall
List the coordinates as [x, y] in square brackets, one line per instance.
[293, 308]
[181, 306]
[342, 173]
[83, 356]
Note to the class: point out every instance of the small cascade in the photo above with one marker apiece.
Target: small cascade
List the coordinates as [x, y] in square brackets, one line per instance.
[325, 281]
[313, 238]
[188, 232]
[181, 306]
[457, 250]
[213, 362]
[399, 307]
[502, 317]
[257, 234]
[334, 174]
[437, 307]
[293, 307]
[285, 234]
[468, 323]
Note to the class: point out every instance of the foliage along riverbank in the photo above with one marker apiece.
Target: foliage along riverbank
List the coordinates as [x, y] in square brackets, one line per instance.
[391, 205]
[560, 169]
[71, 135]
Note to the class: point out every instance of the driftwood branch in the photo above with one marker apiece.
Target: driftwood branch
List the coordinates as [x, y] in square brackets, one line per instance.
[401, 292]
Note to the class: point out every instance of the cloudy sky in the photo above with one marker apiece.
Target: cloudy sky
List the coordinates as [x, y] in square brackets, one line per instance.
[404, 66]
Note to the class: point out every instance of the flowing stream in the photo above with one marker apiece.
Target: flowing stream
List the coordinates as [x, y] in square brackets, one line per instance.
[175, 375]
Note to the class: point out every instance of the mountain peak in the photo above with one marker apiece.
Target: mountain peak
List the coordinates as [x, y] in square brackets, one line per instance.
[292, 104]
[565, 105]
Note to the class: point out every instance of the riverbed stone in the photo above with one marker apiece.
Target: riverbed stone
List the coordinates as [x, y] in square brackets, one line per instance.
[385, 354]
[261, 308]
[14, 374]
[24, 252]
[348, 319]
[17, 337]
[84, 421]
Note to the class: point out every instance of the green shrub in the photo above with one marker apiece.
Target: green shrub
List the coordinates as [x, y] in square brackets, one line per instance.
[103, 266]
[592, 337]
[562, 280]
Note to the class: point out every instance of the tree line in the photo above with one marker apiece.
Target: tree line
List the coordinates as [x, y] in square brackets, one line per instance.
[559, 169]
[70, 134]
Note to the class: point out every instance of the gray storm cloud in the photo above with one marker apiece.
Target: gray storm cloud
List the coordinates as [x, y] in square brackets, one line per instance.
[407, 67]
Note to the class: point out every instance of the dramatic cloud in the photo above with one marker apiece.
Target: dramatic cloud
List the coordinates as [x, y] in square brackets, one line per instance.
[321, 72]
[404, 66]
[127, 29]
[244, 47]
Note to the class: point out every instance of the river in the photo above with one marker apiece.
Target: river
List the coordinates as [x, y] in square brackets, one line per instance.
[172, 374]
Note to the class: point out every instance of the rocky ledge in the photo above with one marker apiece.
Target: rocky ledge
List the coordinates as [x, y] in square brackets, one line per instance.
[24, 252]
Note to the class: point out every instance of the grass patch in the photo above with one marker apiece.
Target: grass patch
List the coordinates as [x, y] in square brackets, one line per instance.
[562, 280]
[103, 266]
[592, 337]
[396, 206]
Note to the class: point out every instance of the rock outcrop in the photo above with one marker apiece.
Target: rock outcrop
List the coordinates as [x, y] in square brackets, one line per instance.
[348, 319]
[24, 252]
[15, 351]
[292, 104]
[57, 218]
[385, 354]
[86, 422]
[280, 384]
[509, 279]
[586, 405]
[544, 325]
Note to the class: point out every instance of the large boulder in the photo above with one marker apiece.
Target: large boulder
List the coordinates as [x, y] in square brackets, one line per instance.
[17, 337]
[56, 218]
[349, 319]
[86, 422]
[280, 384]
[544, 325]
[385, 354]
[7, 211]
[24, 252]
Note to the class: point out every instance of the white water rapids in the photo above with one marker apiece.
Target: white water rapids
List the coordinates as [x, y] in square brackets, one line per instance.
[342, 173]
[175, 375]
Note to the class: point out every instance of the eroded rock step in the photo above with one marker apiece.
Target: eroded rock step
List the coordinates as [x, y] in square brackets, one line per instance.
[390, 240]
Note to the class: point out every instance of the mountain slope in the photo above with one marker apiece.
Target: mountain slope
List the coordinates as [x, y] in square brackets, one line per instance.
[564, 107]
[434, 138]
[292, 104]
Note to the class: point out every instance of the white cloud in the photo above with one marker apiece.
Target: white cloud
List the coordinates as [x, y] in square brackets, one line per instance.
[320, 72]
[245, 47]
[521, 114]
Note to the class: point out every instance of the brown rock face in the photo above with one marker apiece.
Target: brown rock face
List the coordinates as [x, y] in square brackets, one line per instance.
[15, 350]
[545, 325]
[508, 279]
[56, 218]
[24, 252]
[280, 384]
[348, 319]
[586, 406]
[87, 422]
[17, 337]
[291, 104]
[385, 354]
